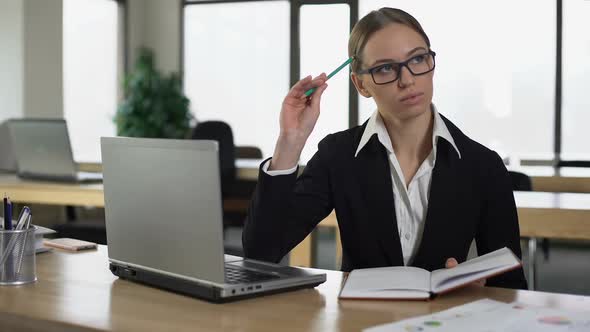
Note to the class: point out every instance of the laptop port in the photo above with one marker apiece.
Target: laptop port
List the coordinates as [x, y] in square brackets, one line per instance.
[125, 272]
[250, 288]
[258, 287]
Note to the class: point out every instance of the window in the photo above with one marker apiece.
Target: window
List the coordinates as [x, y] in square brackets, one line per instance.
[576, 80]
[90, 66]
[319, 24]
[495, 74]
[236, 66]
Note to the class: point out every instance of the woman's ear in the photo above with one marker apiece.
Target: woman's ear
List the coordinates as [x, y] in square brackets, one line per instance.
[360, 85]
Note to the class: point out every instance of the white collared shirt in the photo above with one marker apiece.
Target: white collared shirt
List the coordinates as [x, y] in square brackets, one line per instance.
[411, 203]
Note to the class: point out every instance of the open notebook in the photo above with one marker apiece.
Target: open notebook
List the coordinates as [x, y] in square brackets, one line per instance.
[406, 282]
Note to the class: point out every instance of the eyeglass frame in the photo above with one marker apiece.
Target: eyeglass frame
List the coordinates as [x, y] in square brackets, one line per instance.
[400, 65]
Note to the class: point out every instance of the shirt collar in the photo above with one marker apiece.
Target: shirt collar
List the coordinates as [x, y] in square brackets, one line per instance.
[376, 126]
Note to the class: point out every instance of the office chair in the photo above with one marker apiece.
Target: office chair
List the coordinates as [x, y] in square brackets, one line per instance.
[231, 188]
[520, 181]
[221, 132]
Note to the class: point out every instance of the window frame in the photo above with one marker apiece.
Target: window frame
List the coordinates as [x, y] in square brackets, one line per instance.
[555, 162]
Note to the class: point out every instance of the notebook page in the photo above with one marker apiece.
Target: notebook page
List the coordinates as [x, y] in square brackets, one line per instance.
[376, 282]
[474, 269]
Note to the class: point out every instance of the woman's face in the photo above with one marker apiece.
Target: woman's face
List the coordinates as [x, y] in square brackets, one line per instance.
[410, 95]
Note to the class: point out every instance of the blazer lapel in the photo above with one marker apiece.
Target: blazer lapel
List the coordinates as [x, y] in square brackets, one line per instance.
[444, 197]
[372, 167]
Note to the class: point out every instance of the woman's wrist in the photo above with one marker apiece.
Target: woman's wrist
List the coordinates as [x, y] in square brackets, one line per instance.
[287, 152]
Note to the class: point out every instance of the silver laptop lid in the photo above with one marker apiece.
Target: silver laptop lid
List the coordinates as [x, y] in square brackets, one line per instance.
[42, 147]
[163, 205]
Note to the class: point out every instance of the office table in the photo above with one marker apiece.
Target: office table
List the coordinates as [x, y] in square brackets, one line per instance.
[76, 194]
[566, 179]
[246, 169]
[543, 178]
[553, 216]
[45, 192]
[541, 215]
[77, 292]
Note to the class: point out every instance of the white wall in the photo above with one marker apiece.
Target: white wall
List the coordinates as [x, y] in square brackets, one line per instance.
[31, 70]
[162, 32]
[43, 36]
[31, 58]
[11, 59]
[135, 19]
[156, 24]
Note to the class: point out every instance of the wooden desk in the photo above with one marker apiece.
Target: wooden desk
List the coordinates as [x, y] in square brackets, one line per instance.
[544, 178]
[568, 179]
[246, 169]
[77, 292]
[541, 215]
[45, 192]
[556, 183]
[76, 194]
[552, 216]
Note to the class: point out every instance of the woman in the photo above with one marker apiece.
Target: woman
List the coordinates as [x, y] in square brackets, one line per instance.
[408, 187]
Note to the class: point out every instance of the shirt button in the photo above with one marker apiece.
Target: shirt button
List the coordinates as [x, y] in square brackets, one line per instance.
[407, 236]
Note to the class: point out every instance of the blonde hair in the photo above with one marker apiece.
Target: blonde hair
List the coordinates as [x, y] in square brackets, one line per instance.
[373, 22]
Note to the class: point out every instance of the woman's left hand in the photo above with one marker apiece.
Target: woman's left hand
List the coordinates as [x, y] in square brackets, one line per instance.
[452, 262]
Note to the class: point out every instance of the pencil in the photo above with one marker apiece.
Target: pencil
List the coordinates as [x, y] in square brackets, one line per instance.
[310, 91]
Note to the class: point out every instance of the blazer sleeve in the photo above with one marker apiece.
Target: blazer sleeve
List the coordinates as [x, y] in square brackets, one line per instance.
[286, 208]
[498, 226]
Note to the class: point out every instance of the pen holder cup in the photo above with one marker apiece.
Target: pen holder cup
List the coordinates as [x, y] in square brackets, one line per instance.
[17, 256]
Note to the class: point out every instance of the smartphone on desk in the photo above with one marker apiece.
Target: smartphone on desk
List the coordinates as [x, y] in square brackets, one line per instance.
[69, 244]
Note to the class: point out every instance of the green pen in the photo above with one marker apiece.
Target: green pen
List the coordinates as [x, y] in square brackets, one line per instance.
[310, 91]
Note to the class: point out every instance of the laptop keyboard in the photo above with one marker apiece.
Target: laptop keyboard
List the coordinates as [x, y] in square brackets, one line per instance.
[237, 275]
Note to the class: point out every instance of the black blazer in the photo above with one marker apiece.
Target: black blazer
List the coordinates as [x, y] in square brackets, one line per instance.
[470, 198]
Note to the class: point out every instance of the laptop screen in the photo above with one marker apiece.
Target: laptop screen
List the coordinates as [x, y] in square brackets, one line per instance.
[163, 205]
[42, 147]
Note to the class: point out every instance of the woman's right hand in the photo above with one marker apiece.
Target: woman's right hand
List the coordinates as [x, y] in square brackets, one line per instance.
[299, 115]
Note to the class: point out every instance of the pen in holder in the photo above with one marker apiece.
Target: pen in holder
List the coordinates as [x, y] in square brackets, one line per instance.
[17, 255]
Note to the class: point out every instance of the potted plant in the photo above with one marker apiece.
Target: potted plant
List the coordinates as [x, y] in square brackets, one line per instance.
[154, 104]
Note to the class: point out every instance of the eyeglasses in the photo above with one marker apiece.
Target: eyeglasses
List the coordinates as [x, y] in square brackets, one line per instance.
[389, 72]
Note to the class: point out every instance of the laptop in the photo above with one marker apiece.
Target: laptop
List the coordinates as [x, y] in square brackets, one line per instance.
[163, 212]
[42, 151]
